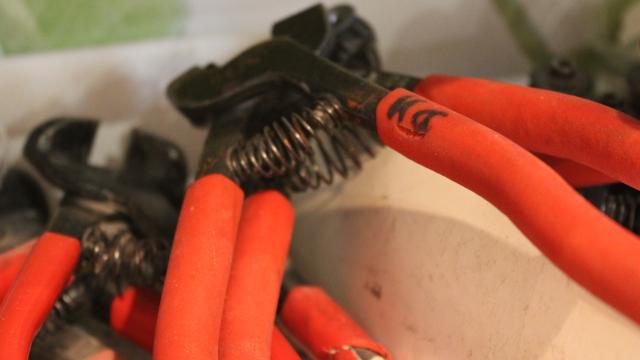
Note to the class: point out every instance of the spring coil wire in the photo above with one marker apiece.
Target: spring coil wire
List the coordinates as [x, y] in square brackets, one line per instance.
[623, 208]
[73, 301]
[116, 259]
[111, 260]
[303, 150]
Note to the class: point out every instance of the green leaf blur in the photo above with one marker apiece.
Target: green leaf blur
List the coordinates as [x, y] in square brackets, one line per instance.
[37, 25]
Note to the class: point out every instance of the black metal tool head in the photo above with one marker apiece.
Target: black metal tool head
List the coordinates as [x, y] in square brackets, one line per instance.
[337, 34]
[59, 150]
[313, 51]
[564, 76]
[205, 94]
[155, 164]
[23, 208]
[633, 81]
[202, 93]
[282, 64]
[310, 28]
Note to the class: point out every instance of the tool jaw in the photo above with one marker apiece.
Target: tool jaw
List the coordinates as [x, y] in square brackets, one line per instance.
[337, 34]
[310, 28]
[275, 63]
[59, 149]
[312, 52]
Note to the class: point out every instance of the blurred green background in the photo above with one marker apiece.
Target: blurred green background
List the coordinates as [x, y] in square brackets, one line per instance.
[608, 50]
[36, 25]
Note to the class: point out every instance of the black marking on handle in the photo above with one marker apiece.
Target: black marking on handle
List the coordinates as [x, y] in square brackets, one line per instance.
[420, 120]
[401, 105]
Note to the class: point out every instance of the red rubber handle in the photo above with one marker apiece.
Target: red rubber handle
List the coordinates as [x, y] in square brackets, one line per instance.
[591, 248]
[322, 325]
[546, 122]
[576, 174]
[261, 251]
[44, 274]
[133, 315]
[10, 265]
[106, 355]
[190, 314]
[280, 347]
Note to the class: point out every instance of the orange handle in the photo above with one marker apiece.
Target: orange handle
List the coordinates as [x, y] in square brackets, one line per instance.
[261, 251]
[190, 314]
[133, 316]
[591, 248]
[10, 265]
[322, 325]
[280, 347]
[576, 174]
[546, 122]
[44, 274]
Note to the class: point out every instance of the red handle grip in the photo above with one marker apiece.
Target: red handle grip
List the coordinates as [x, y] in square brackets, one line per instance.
[190, 314]
[547, 122]
[591, 248]
[322, 325]
[44, 274]
[133, 315]
[280, 347]
[576, 174]
[261, 251]
[10, 265]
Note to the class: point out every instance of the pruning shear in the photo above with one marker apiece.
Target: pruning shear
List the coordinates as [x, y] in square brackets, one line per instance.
[210, 308]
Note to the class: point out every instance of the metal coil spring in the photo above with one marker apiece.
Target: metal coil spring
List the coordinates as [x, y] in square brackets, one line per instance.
[618, 201]
[303, 150]
[112, 260]
[73, 300]
[623, 208]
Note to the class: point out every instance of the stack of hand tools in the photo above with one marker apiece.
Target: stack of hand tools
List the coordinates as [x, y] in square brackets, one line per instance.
[135, 259]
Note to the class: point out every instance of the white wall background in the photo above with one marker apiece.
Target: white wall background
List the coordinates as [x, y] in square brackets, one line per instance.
[421, 36]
